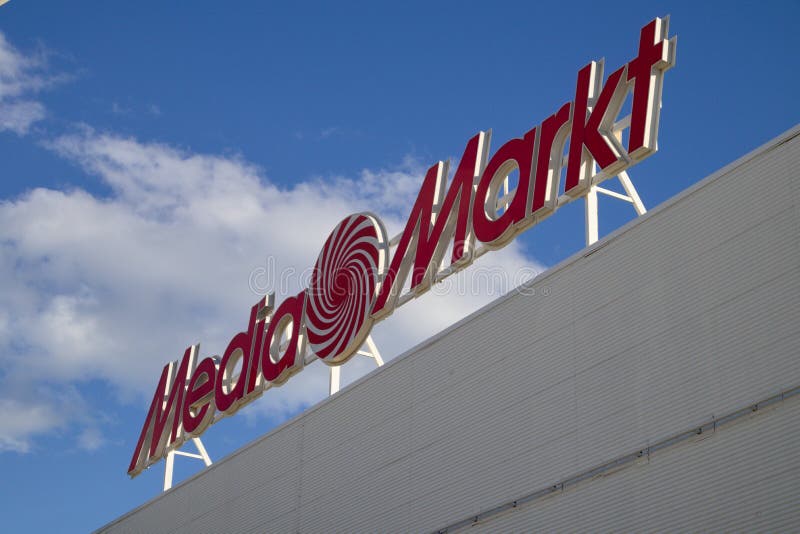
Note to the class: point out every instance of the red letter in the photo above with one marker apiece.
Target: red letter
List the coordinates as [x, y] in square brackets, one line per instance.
[426, 244]
[591, 131]
[277, 367]
[241, 347]
[548, 164]
[161, 416]
[198, 408]
[254, 376]
[491, 228]
[656, 55]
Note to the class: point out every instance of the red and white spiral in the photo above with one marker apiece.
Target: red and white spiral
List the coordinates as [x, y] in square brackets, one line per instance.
[343, 287]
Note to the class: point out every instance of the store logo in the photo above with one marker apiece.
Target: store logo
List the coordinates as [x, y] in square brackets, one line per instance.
[355, 283]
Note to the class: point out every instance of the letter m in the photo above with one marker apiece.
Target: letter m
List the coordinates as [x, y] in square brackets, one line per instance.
[434, 219]
[164, 414]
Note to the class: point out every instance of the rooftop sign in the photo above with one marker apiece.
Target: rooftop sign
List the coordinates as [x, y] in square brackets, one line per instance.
[357, 281]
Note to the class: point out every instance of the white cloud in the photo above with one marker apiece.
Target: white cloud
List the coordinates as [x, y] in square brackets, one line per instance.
[30, 409]
[91, 439]
[20, 76]
[19, 115]
[19, 73]
[390, 191]
[19, 421]
[328, 132]
[111, 288]
[119, 109]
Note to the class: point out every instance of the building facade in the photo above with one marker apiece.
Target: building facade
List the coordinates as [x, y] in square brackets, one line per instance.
[650, 382]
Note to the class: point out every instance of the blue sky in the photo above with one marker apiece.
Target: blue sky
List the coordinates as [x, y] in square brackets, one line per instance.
[157, 156]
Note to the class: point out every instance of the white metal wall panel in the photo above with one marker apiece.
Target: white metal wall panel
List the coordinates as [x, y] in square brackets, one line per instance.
[741, 479]
[687, 314]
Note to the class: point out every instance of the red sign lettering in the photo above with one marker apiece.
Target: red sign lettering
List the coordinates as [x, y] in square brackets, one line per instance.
[351, 286]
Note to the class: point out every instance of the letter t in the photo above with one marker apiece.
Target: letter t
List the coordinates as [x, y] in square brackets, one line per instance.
[656, 55]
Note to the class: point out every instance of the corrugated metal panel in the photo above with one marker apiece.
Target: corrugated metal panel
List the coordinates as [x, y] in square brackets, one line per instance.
[687, 314]
[740, 479]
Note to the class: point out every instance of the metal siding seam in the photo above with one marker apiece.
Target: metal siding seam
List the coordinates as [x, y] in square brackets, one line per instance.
[673, 502]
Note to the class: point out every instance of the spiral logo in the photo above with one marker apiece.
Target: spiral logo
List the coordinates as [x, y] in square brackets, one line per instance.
[343, 286]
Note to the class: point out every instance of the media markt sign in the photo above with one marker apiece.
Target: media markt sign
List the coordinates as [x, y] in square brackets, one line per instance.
[357, 281]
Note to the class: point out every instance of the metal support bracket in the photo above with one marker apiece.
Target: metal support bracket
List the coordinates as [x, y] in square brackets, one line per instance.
[335, 371]
[631, 195]
[170, 460]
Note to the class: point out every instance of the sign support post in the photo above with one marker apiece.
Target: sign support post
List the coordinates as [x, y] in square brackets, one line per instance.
[170, 461]
[592, 215]
[335, 371]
